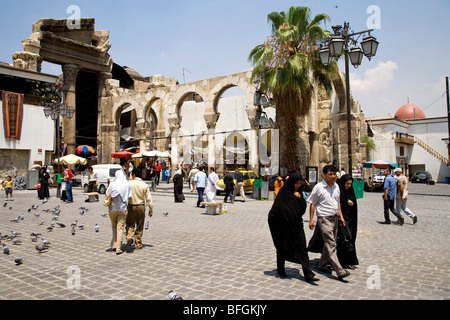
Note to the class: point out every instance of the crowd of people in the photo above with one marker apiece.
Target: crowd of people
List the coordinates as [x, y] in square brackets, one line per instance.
[332, 201]
[334, 204]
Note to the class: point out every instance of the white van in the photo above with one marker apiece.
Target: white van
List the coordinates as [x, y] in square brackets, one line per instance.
[106, 175]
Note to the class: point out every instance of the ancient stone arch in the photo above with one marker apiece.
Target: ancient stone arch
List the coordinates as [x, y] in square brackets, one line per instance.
[161, 98]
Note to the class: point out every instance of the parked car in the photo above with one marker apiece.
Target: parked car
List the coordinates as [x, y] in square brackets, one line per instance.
[378, 180]
[421, 176]
[106, 175]
[249, 177]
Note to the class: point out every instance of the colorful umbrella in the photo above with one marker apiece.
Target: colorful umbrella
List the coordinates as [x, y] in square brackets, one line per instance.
[122, 154]
[380, 164]
[132, 149]
[85, 149]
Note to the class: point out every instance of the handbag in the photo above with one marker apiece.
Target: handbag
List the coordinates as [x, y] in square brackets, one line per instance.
[107, 201]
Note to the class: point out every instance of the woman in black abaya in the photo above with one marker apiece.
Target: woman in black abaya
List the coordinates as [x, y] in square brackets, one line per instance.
[286, 227]
[43, 179]
[178, 186]
[346, 250]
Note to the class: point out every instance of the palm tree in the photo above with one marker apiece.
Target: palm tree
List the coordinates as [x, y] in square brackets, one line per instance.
[286, 64]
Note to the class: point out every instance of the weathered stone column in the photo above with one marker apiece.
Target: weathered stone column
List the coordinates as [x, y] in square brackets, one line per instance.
[141, 130]
[174, 126]
[211, 121]
[103, 102]
[253, 116]
[70, 73]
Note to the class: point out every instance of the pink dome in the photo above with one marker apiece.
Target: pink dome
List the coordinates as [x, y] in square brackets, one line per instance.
[409, 111]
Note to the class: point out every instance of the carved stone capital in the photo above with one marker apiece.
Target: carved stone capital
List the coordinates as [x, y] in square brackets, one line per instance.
[174, 123]
[70, 72]
[211, 119]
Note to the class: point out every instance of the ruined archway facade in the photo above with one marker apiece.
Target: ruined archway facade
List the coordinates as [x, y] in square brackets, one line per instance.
[158, 102]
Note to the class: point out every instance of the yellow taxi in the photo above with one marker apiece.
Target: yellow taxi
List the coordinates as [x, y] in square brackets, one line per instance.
[249, 177]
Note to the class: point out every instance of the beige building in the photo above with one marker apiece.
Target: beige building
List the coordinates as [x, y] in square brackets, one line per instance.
[116, 106]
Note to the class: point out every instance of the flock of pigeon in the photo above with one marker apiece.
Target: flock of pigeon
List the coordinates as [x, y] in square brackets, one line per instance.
[15, 237]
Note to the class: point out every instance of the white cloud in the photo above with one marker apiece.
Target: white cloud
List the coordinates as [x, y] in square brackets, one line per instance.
[374, 79]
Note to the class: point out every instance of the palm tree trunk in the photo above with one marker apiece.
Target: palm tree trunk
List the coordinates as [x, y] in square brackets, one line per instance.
[294, 141]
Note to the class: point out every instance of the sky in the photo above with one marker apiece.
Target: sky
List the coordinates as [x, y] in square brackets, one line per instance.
[191, 40]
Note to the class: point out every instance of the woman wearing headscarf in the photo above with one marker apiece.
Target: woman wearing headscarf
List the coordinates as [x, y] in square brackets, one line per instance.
[178, 186]
[44, 176]
[346, 251]
[286, 227]
[119, 191]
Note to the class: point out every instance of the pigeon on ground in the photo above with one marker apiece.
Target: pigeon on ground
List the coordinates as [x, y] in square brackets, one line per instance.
[5, 249]
[33, 239]
[146, 225]
[81, 226]
[81, 212]
[37, 214]
[15, 220]
[15, 234]
[41, 222]
[83, 208]
[49, 229]
[41, 248]
[16, 241]
[5, 204]
[62, 225]
[73, 230]
[35, 234]
[29, 210]
[165, 213]
[96, 228]
[104, 215]
[21, 217]
[45, 242]
[18, 261]
[74, 224]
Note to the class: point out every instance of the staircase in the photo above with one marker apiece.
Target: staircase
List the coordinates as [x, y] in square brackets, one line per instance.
[431, 151]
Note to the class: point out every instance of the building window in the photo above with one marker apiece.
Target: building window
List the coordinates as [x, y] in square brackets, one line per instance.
[402, 151]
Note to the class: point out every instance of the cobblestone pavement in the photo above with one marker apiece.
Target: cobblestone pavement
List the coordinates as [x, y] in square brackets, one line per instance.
[219, 257]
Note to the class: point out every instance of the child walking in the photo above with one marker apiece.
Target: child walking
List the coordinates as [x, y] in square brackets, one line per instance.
[8, 185]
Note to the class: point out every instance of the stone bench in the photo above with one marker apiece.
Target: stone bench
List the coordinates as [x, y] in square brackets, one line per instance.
[211, 207]
[91, 196]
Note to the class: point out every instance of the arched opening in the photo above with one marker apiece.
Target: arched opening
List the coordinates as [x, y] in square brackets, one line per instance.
[127, 122]
[235, 151]
[192, 143]
[86, 109]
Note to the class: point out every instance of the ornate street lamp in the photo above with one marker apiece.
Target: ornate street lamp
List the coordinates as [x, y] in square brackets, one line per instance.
[333, 47]
[54, 110]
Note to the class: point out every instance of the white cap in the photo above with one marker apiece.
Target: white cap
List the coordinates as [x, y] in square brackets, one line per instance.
[398, 170]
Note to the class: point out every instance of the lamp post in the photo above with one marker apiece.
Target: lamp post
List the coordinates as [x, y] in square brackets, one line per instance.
[334, 45]
[261, 100]
[54, 111]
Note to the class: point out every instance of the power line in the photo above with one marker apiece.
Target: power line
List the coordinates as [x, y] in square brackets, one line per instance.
[441, 96]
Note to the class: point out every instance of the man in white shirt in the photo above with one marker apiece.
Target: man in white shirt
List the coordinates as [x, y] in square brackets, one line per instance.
[212, 187]
[136, 209]
[402, 194]
[200, 184]
[325, 202]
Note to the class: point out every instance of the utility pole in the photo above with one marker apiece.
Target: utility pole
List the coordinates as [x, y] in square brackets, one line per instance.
[184, 80]
[448, 117]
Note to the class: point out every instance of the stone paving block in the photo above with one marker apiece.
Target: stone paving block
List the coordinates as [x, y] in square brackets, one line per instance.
[229, 257]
